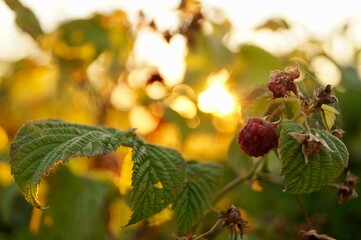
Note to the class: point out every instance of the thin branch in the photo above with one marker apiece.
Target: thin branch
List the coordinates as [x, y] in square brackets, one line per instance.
[303, 209]
[306, 122]
[237, 181]
[279, 109]
[271, 177]
[209, 231]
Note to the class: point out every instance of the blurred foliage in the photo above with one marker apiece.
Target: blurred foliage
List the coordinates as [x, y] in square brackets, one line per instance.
[89, 72]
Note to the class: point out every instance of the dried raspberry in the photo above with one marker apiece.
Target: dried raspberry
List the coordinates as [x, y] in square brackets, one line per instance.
[324, 96]
[281, 83]
[258, 137]
[347, 190]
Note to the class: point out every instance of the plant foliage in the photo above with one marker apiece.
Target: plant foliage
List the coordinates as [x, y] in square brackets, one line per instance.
[40, 145]
[157, 180]
[321, 169]
[159, 175]
[195, 200]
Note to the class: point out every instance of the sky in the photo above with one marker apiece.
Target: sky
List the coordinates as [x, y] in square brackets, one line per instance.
[318, 19]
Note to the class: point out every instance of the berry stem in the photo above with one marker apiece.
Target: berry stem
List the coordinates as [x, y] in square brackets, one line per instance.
[273, 178]
[279, 109]
[303, 209]
[237, 181]
[209, 231]
[306, 122]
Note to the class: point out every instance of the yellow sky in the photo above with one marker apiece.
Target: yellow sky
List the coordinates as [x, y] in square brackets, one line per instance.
[318, 19]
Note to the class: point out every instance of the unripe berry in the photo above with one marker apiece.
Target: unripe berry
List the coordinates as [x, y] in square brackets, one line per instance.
[257, 137]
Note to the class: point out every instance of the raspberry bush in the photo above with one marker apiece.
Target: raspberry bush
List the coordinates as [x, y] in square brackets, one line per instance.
[287, 157]
[161, 176]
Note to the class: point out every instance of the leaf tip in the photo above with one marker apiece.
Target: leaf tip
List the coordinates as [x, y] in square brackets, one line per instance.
[31, 195]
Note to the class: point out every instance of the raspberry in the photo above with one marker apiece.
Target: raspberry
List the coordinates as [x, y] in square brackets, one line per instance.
[257, 137]
[281, 83]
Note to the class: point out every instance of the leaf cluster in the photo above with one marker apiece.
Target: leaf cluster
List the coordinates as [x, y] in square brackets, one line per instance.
[160, 177]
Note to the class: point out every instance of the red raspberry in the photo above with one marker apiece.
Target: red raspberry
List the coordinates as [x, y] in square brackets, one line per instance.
[257, 137]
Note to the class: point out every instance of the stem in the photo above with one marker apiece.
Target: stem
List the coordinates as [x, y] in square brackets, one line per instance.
[279, 109]
[303, 209]
[271, 177]
[306, 122]
[209, 231]
[236, 181]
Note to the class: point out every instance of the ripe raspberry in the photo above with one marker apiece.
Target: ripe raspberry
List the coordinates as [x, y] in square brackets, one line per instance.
[281, 83]
[257, 137]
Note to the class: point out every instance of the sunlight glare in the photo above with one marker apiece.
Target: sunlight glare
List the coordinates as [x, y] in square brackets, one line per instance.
[341, 49]
[156, 90]
[3, 138]
[141, 118]
[326, 71]
[5, 176]
[150, 48]
[184, 107]
[163, 216]
[97, 71]
[216, 99]
[219, 77]
[226, 125]
[123, 97]
[124, 182]
[138, 77]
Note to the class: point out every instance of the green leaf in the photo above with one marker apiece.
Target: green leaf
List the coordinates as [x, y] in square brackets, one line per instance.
[39, 145]
[203, 180]
[321, 169]
[77, 207]
[157, 180]
[25, 18]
